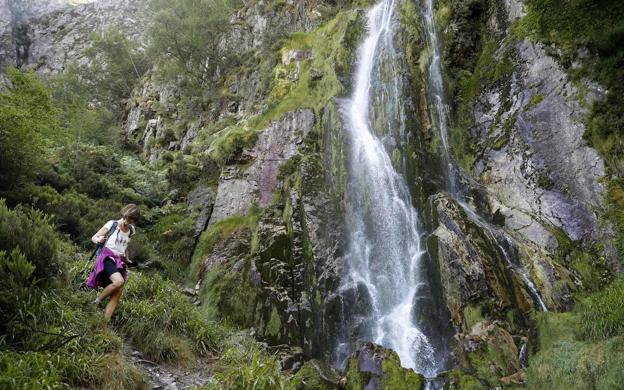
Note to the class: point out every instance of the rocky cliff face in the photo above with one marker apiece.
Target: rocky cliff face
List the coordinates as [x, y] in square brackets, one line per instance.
[524, 236]
[45, 36]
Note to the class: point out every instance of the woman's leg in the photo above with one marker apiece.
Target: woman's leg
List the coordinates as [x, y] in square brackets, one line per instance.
[117, 281]
[112, 303]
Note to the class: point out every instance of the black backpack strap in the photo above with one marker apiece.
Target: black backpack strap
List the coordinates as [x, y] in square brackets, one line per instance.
[111, 231]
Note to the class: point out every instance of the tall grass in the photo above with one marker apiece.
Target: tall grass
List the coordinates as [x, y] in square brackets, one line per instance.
[602, 314]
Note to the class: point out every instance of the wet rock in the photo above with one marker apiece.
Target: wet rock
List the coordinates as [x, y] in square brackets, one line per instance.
[374, 367]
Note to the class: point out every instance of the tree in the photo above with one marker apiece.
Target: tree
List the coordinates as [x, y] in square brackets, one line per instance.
[28, 123]
[185, 37]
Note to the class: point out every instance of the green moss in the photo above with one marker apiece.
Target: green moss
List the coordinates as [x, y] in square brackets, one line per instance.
[544, 181]
[230, 142]
[460, 380]
[310, 377]
[274, 325]
[496, 358]
[356, 380]
[227, 295]
[215, 234]
[472, 315]
[534, 101]
[395, 377]
[332, 46]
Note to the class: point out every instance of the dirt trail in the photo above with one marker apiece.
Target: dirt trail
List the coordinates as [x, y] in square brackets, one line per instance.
[173, 378]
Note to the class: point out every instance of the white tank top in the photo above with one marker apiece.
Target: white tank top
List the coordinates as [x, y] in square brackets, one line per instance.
[118, 241]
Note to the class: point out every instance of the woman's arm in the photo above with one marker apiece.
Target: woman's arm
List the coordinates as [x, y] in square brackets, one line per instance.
[100, 236]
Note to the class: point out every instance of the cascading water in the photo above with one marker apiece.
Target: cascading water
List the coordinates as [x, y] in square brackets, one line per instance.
[440, 114]
[385, 266]
[439, 110]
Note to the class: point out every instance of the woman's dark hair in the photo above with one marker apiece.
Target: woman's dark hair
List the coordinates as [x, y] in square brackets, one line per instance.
[130, 211]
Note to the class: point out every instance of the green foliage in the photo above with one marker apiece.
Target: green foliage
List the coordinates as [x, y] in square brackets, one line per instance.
[459, 380]
[116, 66]
[318, 78]
[602, 314]
[173, 239]
[216, 233]
[578, 365]
[185, 36]
[31, 232]
[229, 143]
[183, 173]
[589, 356]
[615, 210]
[163, 323]
[252, 368]
[51, 337]
[28, 122]
[80, 118]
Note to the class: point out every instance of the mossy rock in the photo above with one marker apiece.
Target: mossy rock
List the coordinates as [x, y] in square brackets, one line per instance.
[461, 380]
[379, 368]
[491, 353]
[316, 375]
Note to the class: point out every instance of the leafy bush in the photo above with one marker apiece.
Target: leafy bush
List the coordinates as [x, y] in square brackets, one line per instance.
[173, 241]
[58, 370]
[602, 314]
[31, 232]
[183, 173]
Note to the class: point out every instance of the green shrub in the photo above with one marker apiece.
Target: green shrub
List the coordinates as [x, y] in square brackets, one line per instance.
[602, 314]
[62, 369]
[173, 242]
[183, 34]
[28, 121]
[183, 173]
[31, 232]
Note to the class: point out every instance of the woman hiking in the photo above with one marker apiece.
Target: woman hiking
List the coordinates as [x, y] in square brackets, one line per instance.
[110, 264]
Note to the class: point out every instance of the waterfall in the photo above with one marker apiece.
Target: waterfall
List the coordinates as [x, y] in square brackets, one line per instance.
[385, 266]
[439, 109]
[504, 243]
[439, 113]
